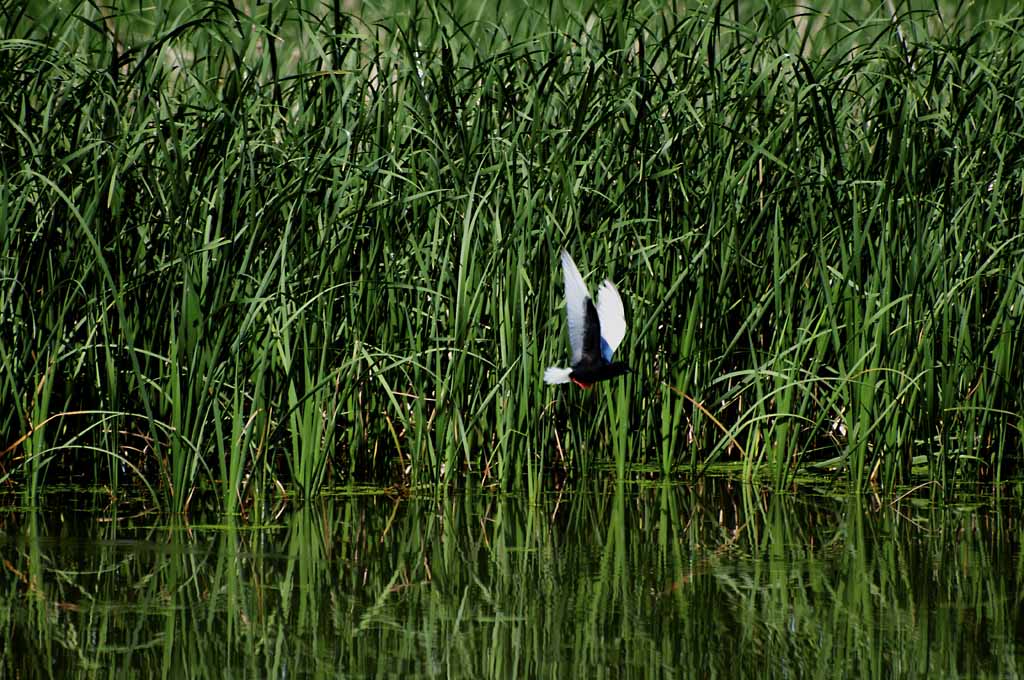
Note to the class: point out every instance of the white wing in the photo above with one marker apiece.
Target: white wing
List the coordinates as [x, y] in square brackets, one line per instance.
[612, 316]
[575, 304]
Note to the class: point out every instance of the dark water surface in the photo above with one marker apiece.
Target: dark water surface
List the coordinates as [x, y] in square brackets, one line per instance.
[617, 580]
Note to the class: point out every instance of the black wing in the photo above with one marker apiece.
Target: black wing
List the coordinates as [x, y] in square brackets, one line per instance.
[591, 337]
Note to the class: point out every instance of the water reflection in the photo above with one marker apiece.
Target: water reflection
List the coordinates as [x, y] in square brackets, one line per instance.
[643, 581]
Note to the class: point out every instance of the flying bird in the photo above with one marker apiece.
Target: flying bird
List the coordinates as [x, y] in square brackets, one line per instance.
[595, 331]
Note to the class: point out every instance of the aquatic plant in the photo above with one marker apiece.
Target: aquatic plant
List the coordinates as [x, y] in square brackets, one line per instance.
[248, 250]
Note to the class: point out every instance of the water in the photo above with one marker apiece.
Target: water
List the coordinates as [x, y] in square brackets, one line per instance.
[711, 580]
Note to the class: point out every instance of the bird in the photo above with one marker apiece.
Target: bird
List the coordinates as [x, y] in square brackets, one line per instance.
[595, 331]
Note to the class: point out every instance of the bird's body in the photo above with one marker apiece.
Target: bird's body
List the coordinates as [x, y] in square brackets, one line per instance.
[595, 331]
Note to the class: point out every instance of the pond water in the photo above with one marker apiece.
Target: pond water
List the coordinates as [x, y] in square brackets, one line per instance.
[612, 580]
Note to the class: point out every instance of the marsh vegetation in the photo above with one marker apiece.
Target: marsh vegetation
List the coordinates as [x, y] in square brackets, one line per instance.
[246, 251]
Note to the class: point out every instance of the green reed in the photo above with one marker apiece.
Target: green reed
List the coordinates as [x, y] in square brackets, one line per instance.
[292, 246]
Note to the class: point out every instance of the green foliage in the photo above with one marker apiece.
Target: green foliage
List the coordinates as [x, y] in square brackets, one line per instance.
[296, 246]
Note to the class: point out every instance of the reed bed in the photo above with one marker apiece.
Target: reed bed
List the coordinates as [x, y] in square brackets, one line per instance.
[286, 246]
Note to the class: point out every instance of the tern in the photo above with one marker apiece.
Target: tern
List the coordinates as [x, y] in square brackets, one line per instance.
[595, 331]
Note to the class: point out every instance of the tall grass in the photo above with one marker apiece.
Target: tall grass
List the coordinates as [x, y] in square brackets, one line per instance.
[247, 250]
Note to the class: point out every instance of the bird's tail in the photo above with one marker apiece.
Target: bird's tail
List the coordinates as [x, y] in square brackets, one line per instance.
[554, 375]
